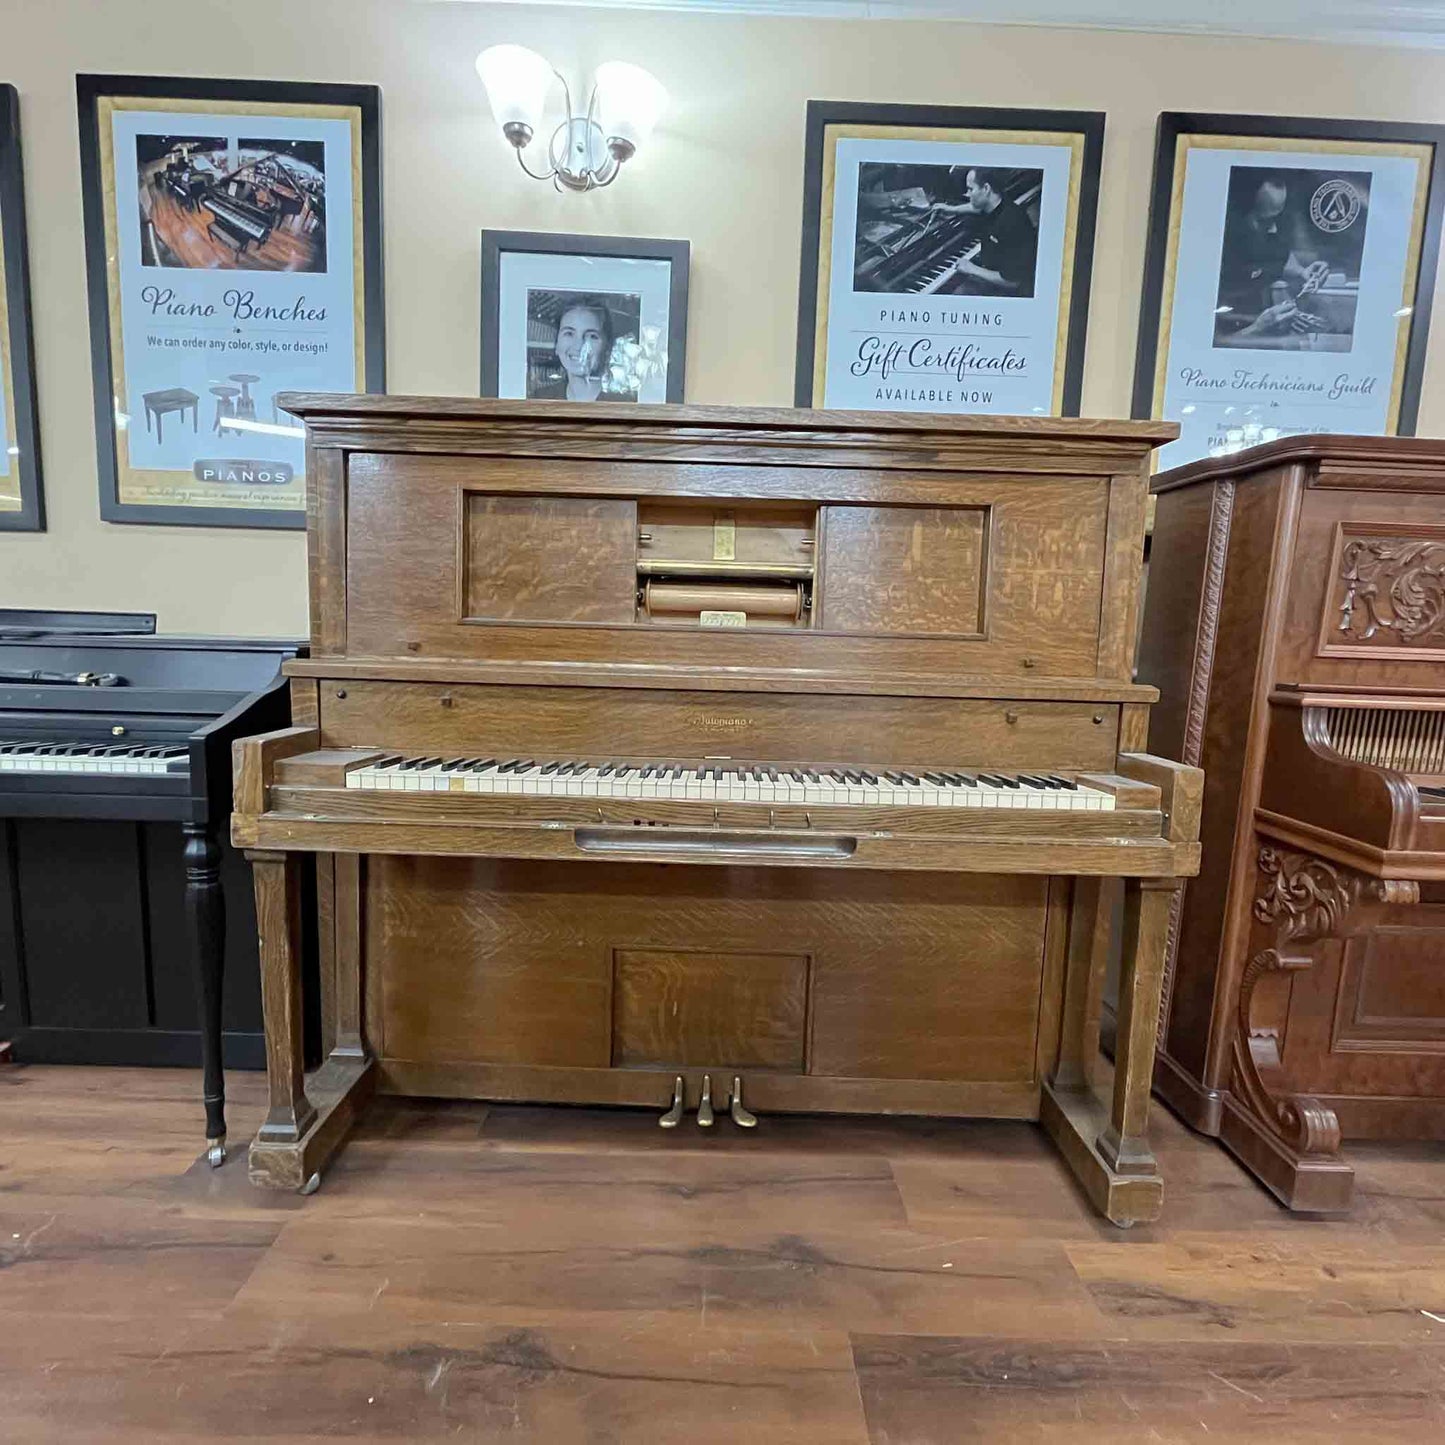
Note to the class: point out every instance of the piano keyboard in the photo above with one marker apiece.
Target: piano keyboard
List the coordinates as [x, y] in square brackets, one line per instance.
[937, 274]
[127, 760]
[730, 783]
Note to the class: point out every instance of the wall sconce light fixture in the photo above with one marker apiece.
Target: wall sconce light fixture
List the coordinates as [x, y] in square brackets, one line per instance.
[586, 151]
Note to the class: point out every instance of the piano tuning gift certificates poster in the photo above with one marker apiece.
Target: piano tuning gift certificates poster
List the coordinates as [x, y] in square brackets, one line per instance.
[1289, 279]
[234, 251]
[946, 257]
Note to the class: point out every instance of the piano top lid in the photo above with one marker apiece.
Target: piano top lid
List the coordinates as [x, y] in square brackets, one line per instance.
[320, 408]
[1375, 454]
[191, 675]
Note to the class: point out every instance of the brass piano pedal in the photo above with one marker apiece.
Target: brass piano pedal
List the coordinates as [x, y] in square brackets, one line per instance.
[673, 1117]
[742, 1117]
[705, 1114]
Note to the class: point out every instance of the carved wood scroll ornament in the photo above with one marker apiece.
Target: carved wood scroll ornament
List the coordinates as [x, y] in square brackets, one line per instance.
[1308, 899]
[1398, 584]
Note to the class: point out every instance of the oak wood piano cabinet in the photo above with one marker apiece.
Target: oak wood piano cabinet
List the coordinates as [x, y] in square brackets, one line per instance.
[662, 755]
[1295, 623]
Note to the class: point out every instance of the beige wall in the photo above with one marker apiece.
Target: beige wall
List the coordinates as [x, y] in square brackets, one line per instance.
[724, 172]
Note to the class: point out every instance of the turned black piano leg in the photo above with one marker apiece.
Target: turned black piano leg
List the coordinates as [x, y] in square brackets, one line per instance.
[206, 920]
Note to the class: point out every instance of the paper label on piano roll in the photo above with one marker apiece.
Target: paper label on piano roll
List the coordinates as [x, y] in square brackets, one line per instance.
[948, 270]
[234, 278]
[724, 538]
[723, 619]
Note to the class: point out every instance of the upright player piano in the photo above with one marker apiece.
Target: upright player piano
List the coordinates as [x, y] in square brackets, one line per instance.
[731, 760]
[1297, 629]
[113, 919]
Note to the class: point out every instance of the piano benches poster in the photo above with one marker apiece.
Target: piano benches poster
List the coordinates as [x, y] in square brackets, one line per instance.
[946, 258]
[1288, 285]
[227, 236]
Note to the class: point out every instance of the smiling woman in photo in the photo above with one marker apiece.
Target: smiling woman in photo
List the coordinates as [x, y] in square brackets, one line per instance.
[583, 348]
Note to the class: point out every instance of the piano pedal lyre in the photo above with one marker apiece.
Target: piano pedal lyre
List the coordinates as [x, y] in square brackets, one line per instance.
[744, 1118]
[673, 1117]
[705, 1115]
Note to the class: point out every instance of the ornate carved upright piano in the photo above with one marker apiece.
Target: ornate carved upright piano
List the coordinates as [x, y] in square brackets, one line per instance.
[691, 757]
[1296, 628]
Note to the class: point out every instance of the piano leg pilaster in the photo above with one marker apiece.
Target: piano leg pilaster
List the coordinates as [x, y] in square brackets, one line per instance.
[278, 917]
[1109, 1150]
[309, 1115]
[206, 923]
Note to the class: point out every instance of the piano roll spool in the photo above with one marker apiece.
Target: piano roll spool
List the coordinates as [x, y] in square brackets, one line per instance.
[678, 601]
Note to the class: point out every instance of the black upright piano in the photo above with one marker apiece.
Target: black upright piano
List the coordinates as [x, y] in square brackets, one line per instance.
[116, 884]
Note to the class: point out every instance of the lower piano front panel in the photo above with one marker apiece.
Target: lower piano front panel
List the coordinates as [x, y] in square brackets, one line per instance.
[919, 992]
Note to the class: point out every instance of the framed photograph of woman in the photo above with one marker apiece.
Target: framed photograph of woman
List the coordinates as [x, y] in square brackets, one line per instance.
[1288, 279]
[946, 258]
[22, 504]
[233, 249]
[583, 318]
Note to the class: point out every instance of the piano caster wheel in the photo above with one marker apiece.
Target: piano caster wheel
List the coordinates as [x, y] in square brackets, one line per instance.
[673, 1117]
[216, 1152]
[743, 1118]
[704, 1105]
[312, 1184]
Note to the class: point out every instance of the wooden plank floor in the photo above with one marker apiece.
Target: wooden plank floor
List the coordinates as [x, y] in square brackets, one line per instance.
[557, 1275]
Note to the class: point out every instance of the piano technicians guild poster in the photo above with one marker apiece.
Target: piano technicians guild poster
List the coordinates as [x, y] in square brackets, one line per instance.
[227, 237]
[946, 259]
[1288, 285]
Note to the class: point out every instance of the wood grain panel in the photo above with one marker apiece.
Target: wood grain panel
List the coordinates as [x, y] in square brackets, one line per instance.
[914, 977]
[1045, 569]
[762, 535]
[708, 1007]
[764, 726]
[549, 559]
[1224, 728]
[402, 563]
[904, 569]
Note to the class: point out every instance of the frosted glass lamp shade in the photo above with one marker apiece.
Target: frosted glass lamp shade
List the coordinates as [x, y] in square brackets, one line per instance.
[517, 81]
[629, 102]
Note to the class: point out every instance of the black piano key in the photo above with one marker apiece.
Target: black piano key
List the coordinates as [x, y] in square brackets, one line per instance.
[998, 780]
[1072, 786]
[550, 768]
[1032, 780]
[937, 779]
[608, 771]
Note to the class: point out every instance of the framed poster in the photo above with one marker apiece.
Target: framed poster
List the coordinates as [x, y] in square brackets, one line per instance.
[22, 505]
[946, 258]
[1288, 279]
[583, 318]
[233, 252]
